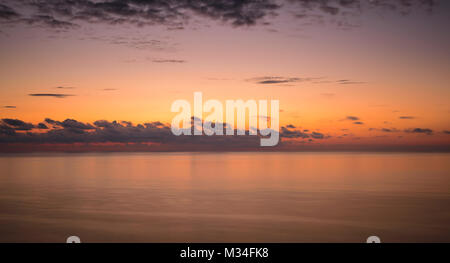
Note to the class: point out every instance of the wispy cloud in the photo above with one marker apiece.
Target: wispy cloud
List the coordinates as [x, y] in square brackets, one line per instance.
[54, 95]
[278, 80]
[384, 129]
[169, 61]
[348, 82]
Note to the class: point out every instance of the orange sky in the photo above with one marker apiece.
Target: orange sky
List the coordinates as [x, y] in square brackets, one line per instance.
[393, 65]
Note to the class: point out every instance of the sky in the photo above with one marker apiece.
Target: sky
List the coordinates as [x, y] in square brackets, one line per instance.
[102, 75]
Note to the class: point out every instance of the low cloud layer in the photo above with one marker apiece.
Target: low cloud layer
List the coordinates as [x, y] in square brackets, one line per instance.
[19, 135]
[72, 131]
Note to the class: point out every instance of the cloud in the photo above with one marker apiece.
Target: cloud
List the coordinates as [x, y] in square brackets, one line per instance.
[6, 130]
[358, 122]
[42, 126]
[53, 135]
[73, 124]
[18, 124]
[172, 13]
[289, 131]
[50, 121]
[70, 131]
[9, 107]
[7, 13]
[176, 14]
[446, 132]
[49, 21]
[103, 131]
[168, 61]
[140, 43]
[278, 80]
[348, 82]
[419, 130]
[406, 117]
[317, 135]
[384, 129]
[338, 12]
[352, 118]
[55, 95]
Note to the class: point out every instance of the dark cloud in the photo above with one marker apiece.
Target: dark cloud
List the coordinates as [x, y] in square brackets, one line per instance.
[278, 80]
[317, 135]
[388, 130]
[384, 129]
[352, 118]
[18, 124]
[7, 13]
[7, 130]
[356, 120]
[42, 126]
[446, 132]
[175, 14]
[50, 121]
[16, 135]
[49, 21]
[73, 124]
[338, 12]
[406, 117]
[289, 131]
[419, 130]
[102, 131]
[9, 107]
[55, 95]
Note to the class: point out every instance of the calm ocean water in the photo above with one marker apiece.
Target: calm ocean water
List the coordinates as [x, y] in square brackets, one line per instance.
[225, 197]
